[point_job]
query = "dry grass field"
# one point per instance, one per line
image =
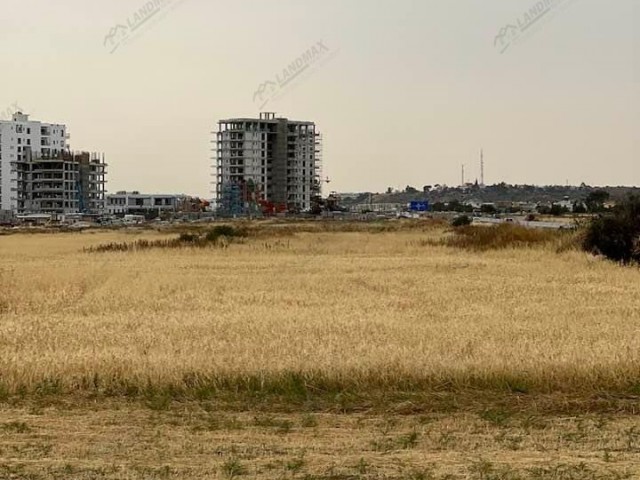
(316, 352)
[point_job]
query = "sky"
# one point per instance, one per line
(403, 91)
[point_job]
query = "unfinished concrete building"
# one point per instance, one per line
(266, 165)
(39, 174)
(59, 183)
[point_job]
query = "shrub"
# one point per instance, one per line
(617, 235)
(500, 236)
(233, 468)
(226, 231)
(461, 221)
(185, 239)
(488, 208)
(557, 210)
(188, 238)
(595, 201)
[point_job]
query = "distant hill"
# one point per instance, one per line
(501, 192)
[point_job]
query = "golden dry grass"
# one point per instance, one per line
(314, 351)
(313, 313)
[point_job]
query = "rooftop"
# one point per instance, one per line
(266, 117)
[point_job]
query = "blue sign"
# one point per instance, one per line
(419, 206)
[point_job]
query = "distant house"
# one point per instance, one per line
(379, 207)
(527, 207)
(473, 203)
(568, 204)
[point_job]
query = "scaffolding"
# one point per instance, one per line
(240, 199)
(65, 182)
(318, 165)
(266, 165)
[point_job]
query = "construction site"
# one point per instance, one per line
(64, 182)
(41, 176)
(266, 165)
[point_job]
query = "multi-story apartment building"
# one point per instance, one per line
(38, 173)
(266, 161)
(63, 182)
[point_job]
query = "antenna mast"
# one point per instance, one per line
(482, 168)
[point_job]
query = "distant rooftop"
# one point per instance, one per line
(24, 117)
(20, 117)
(267, 117)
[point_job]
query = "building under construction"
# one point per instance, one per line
(60, 183)
(266, 165)
(40, 174)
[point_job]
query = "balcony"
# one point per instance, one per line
(48, 200)
(48, 189)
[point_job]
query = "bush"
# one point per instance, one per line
(212, 238)
(617, 235)
(557, 210)
(461, 221)
(488, 208)
(223, 231)
(500, 236)
(188, 238)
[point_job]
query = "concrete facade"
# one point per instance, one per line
(38, 174)
(266, 160)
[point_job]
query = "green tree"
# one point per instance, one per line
(578, 207)
(461, 221)
(595, 201)
(488, 208)
(456, 206)
(557, 210)
(616, 235)
(543, 209)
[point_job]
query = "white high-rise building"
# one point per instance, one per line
(38, 173)
(16, 136)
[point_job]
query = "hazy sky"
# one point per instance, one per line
(407, 92)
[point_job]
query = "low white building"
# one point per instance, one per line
(379, 207)
(125, 203)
